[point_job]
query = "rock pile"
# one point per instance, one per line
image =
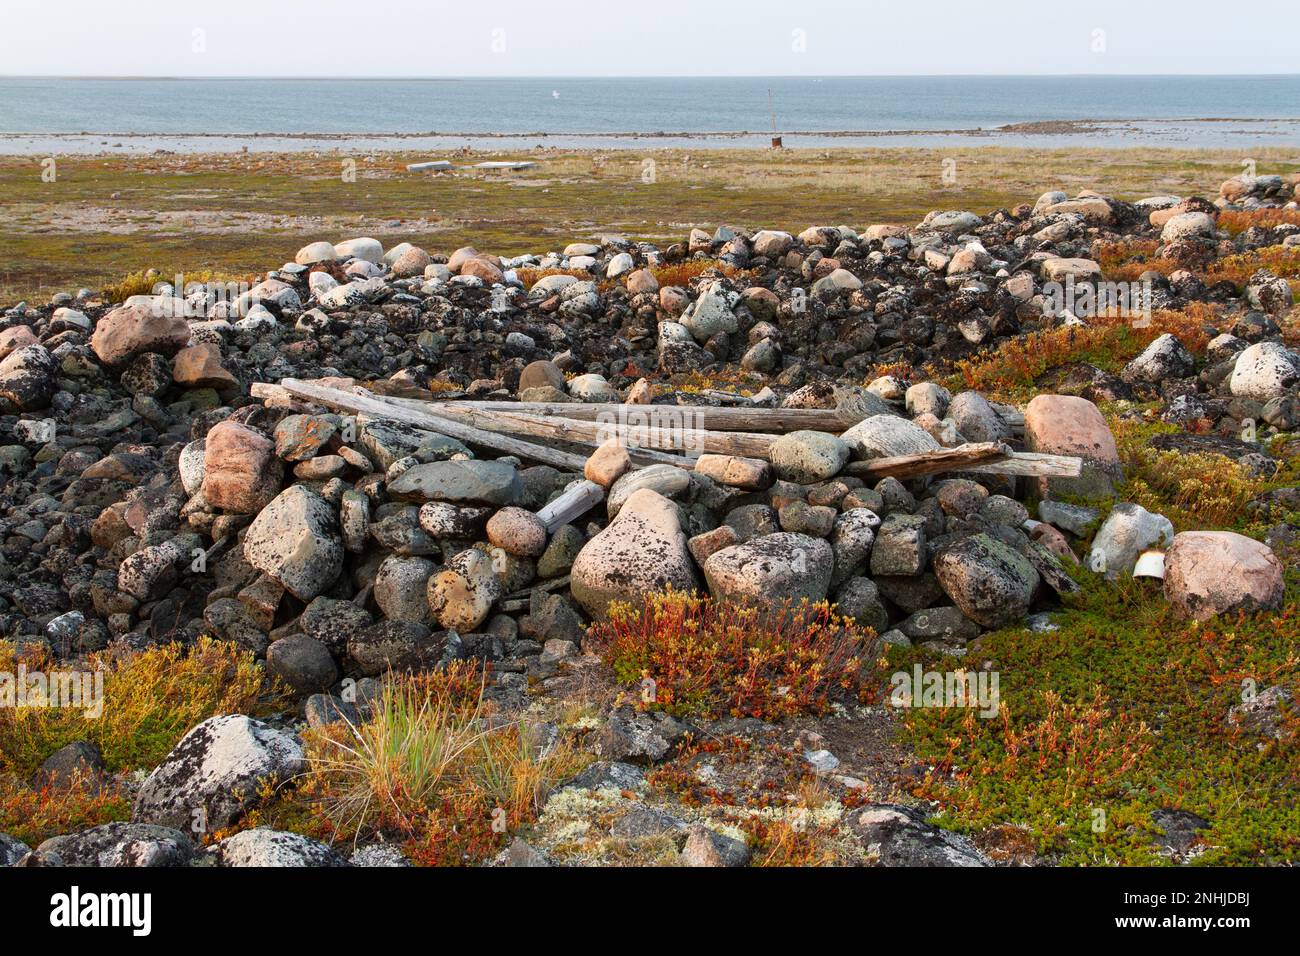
(149, 497)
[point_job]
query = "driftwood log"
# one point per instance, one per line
(776, 420)
(991, 458)
(493, 425)
(381, 409)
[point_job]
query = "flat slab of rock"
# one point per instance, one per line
(902, 837)
(460, 482)
(1208, 573)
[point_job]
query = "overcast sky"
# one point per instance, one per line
(644, 37)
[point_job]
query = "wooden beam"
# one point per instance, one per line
(665, 434)
(745, 419)
(1033, 465)
(384, 410)
(578, 433)
(992, 458)
(575, 502)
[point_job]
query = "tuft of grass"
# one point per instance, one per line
(1126, 260)
(151, 699)
(712, 659)
(530, 277)
(433, 768)
(134, 283)
(683, 273)
(1192, 490)
(143, 281)
(1282, 262)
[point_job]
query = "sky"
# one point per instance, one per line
(645, 37)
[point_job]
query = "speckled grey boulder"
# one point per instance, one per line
(212, 777)
(643, 550)
(262, 846)
(807, 457)
(771, 569)
(296, 540)
(991, 584)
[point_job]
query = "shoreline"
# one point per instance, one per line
(1169, 133)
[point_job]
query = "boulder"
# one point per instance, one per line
(215, 774)
(400, 586)
(1264, 371)
(608, 463)
(667, 480)
(884, 436)
(1060, 269)
(28, 378)
(770, 569)
(989, 582)
(131, 330)
(199, 366)
(121, 845)
(396, 646)
(265, 847)
(296, 540)
(364, 248)
(241, 473)
(461, 595)
(1208, 573)
(1068, 425)
(643, 550)
(901, 836)
(975, 419)
(807, 457)
(1128, 530)
(1165, 358)
(517, 532)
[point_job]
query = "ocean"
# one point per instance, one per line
(92, 115)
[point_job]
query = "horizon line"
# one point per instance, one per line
(646, 76)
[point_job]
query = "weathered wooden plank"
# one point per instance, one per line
(727, 419)
(1030, 464)
(383, 409)
(576, 501)
(666, 434)
(544, 428)
(984, 457)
